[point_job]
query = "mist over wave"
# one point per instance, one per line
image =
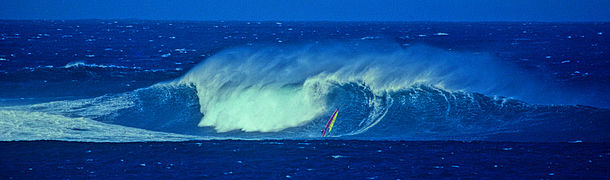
(273, 88)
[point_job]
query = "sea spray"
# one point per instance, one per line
(268, 89)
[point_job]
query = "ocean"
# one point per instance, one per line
(188, 99)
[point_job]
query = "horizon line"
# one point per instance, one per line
(380, 21)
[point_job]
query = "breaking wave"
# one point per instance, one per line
(382, 91)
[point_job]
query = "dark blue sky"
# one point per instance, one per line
(311, 10)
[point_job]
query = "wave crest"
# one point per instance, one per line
(270, 89)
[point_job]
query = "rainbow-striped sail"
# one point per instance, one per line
(329, 124)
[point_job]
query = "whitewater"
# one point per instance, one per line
(384, 92)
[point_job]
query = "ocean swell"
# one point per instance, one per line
(382, 91)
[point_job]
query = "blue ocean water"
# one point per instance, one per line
(303, 159)
(145, 87)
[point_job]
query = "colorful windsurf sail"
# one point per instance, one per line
(330, 123)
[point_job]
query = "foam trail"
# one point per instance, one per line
(17, 125)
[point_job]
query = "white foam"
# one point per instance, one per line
(16, 125)
(83, 64)
(369, 37)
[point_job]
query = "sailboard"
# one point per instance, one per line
(330, 123)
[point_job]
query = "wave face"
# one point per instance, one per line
(382, 91)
